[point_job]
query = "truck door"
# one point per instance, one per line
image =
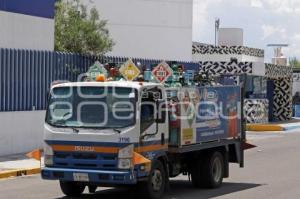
(153, 118)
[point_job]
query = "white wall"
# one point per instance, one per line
(258, 68)
(296, 87)
(21, 132)
(26, 32)
(224, 57)
(158, 29)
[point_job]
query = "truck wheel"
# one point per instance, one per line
(155, 186)
(209, 172)
(71, 188)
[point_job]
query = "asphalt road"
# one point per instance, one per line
(272, 170)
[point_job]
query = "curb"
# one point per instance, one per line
(19, 172)
(289, 128)
(270, 127)
(264, 127)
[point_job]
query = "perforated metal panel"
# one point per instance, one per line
(26, 75)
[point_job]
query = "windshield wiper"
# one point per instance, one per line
(76, 129)
(113, 128)
(117, 130)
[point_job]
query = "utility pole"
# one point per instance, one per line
(217, 26)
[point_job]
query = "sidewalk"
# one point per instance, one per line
(18, 165)
(276, 126)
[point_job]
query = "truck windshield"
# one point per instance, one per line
(92, 107)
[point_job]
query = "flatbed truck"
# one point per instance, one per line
(141, 134)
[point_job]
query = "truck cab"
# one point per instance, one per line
(93, 128)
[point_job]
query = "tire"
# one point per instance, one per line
(209, 171)
(71, 188)
(154, 187)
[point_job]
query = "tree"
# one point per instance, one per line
(80, 30)
(294, 62)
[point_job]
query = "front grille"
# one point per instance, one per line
(85, 160)
(88, 156)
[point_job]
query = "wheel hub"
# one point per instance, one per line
(217, 169)
(156, 180)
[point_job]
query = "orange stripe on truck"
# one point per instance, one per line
(98, 149)
(85, 148)
(156, 147)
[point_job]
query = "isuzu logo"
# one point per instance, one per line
(84, 148)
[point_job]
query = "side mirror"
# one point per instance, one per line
(161, 111)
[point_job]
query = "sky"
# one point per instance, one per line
(263, 22)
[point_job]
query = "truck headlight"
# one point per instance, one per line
(48, 155)
(48, 160)
(124, 163)
(125, 157)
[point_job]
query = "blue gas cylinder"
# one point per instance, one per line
(297, 110)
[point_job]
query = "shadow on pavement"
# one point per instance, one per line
(184, 190)
(180, 189)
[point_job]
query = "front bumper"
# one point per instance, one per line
(94, 176)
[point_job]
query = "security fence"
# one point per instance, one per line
(26, 75)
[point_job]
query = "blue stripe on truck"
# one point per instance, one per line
(38, 8)
(98, 176)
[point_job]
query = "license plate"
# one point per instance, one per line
(81, 177)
